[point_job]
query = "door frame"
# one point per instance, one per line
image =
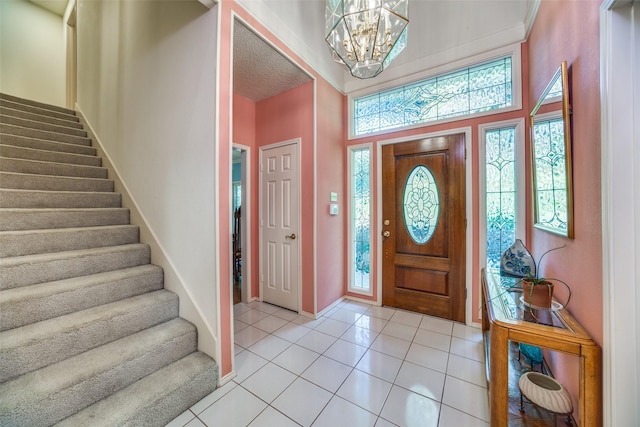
(467, 131)
(72, 57)
(297, 143)
(245, 220)
(620, 103)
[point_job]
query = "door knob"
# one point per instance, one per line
(292, 236)
(386, 233)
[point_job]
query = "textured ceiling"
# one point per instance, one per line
(260, 71)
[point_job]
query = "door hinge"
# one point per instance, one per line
(465, 293)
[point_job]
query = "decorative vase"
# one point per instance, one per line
(537, 295)
(546, 392)
(517, 261)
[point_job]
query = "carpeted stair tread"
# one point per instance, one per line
(57, 199)
(88, 334)
(43, 144)
(38, 167)
(34, 219)
(33, 269)
(38, 110)
(154, 400)
(42, 105)
(62, 389)
(40, 344)
(30, 304)
(31, 242)
(27, 181)
(49, 127)
(12, 112)
(11, 151)
(43, 134)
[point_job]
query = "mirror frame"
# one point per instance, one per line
(563, 74)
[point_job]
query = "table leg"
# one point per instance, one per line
(499, 376)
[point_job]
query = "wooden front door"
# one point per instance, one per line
(423, 214)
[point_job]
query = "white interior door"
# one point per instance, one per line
(279, 223)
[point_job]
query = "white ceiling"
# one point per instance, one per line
(440, 32)
(56, 6)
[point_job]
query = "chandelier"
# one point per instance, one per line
(366, 35)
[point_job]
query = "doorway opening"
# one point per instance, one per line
(240, 249)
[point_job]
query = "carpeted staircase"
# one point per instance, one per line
(88, 335)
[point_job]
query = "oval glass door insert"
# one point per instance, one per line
(421, 204)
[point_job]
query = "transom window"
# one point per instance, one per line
(477, 89)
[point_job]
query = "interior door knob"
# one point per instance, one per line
(292, 236)
(386, 233)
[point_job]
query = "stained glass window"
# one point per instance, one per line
(500, 189)
(472, 90)
(551, 180)
(421, 204)
(360, 220)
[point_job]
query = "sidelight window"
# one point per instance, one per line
(360, 220)
(502, 188)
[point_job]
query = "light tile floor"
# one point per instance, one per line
(355, 366)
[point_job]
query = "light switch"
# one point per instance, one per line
(334, 196)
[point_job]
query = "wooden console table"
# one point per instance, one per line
(505, 319)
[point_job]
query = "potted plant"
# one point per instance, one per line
(538, 291)
(517, 261)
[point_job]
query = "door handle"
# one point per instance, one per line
(386, 233)
(292, 236)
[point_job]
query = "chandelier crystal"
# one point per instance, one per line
(366, 35)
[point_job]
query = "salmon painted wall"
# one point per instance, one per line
(284, 117)
(330, 161)
(566, 30)
(224, 187)
(475, 189)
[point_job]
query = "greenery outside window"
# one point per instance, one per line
(502, 189)
(360, 216)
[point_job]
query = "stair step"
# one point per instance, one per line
(38, 167)
(41, 344)
(35, 303)
(57, 391)
(11, 151)
(43, 134)
(31, 242)
(57, 199)
(49, 127)
(154, 400)
(34, 269)
(42, 105)
(6, 111)
(41, 144)
(37, 219)
(22, 181)
(37, 110)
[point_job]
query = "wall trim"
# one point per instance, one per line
(620, 160)
(189, 309)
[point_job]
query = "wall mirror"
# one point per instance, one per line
(551, 156)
